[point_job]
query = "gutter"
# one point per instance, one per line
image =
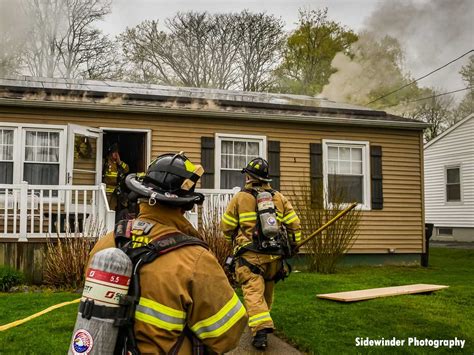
(153, 110)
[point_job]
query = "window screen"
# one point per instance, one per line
(453, 184)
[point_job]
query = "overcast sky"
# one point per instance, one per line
(432, 32)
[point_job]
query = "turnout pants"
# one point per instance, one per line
(258, 288)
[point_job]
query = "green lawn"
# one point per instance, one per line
(327, 327)
(314, 325)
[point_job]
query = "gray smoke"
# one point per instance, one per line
(430, 33)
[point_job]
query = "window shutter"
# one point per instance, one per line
(273, 154)
(316, 173)
(207, 161)
(376, 177)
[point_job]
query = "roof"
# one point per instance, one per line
(449, 130)
(123, 96)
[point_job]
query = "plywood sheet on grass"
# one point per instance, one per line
(360, 295)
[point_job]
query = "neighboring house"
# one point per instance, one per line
(53, 133)
(449, 182)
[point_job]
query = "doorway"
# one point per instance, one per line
(134, 146)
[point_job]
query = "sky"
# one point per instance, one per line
(432, 32)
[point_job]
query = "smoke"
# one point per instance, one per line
(430, 35)
(14, 29)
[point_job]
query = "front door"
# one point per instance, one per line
(84, 155)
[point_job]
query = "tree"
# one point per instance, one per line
(260, 43)
(437, 111)
(309, 51)
(64, 42)
(466, 106)
(201, 50)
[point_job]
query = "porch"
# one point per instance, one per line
(36, 212)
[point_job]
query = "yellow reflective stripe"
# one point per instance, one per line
(159, 315)
(111, 174)
(226, 220)
(289, 216)
(248, 219)
(189, 166)
(220, 322)
(291, 220)
(247, 214)
(162, 308)
(110, 189)
(232, 219)
(259, 318)
(297, 236)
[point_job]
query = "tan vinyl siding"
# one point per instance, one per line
(398, 226)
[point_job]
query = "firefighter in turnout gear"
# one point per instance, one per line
(186, 303)
(258, 239)
(114, 171)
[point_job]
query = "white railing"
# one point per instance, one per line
(29, 211)
(213, 207)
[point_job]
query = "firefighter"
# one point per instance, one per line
(183, 292)
(114, 172)
(258, 263)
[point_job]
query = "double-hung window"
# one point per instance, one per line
(41, 160)
(346, 172)
(232, 155)
(6, 155)
(32, 153)
(453, 184)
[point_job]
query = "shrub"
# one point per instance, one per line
(9, 278)
(211, 233)
(65, 261)
(325, 250)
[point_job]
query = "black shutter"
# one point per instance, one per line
(207, 161)
(316, 173)
(376, 177)
(274, 163)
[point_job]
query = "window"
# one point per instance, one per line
(346, 172)
(41, 160)
(232, 154)
(6, 156)
(453, 184)
(445, 231)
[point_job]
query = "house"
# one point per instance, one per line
(53, 133)
(449, 182)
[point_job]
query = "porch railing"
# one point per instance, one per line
(29, 211)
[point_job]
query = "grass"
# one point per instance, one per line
(326, 327)
(314, 325)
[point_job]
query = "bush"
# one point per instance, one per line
(327, 249)
(9, 278)
(211, 233)
(65, 261)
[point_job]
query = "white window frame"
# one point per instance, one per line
(453, 166)
(262, 140)
(19, 143)
(366, 206)
(15, 148)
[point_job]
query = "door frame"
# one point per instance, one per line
(135, 130)
(92, 132)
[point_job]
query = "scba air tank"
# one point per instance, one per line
(107, 279)
(266, 212)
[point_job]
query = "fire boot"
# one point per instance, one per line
(260, 339)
